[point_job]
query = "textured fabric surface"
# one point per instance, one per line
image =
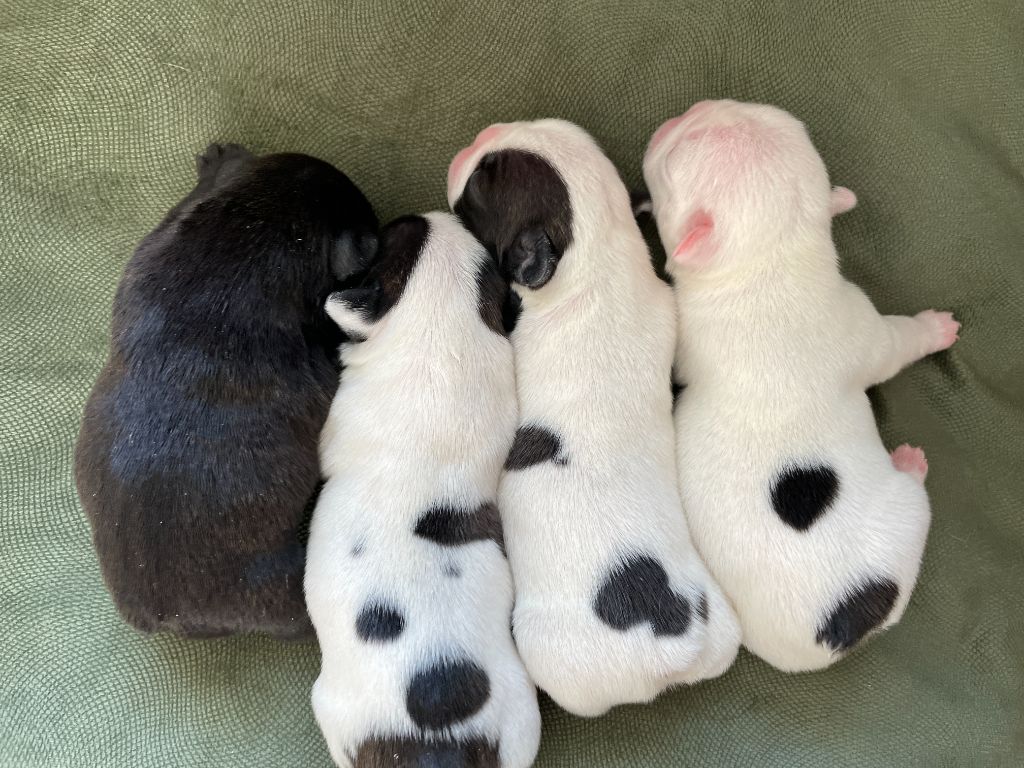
(918, 107)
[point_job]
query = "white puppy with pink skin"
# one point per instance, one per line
(812, 528)
(612, 602)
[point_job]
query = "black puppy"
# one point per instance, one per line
(197, 454)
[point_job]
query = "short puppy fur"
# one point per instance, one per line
(196, 457)
(814, 531)
(612, 602)
(407, 582)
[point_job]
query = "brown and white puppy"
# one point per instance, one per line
(612, 602)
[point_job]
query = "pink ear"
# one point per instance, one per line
(693, 245)
(842, 200)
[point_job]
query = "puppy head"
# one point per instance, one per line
(429, 276)
(530, 189)
(730, 181)
(325, 219)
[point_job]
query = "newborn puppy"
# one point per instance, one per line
(612, 602)
(814, 531)
(407, 582)
(197, 452)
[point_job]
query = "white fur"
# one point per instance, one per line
(777, 350)
(426, 413)
(593, 361)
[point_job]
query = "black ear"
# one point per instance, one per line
(531, 260)
(352, 253)
(355, 310)
(640, 201)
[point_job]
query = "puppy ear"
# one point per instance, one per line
(354, 310)
(842, 200)
(695, 248)
(640, 201)
(352, 253)
(531, 259)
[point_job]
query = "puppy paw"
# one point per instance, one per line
(941, 329)
(912, 461)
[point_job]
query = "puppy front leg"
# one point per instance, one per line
(896, 341)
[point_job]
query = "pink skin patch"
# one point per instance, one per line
(911, 461)
(459, 161)
(697, 230)
(942, 329)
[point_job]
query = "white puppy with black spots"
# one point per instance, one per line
(406, 580)
(612, 602)
(812, 528)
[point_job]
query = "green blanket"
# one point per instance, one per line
(918, 107)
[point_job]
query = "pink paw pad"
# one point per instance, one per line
(943, 329)
(911, 460)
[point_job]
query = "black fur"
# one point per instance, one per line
(451, 527)
(800, 495)
(492, 298)
(861, 610)
(446, 693)
(702, 607)
(197, 453)
(636, 591)
(379, 622)
(534, 444)
(518, 205)
(427, 753)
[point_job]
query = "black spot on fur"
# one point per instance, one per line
(518, 206)
(677, 390)
(510, 311)
(534, 445)
(357, 549)
(446, 693)
(637, 592)
(379, 622)
(219, 339)
(492, 293)
(452, 571)
(800, 495)
(424, 753)
(860, 611)
(451, 527)
(702, 607)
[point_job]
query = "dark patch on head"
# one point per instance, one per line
(492, 296)
(423, 753)
(534, 444)
(518, 206)
(379, 622)
(800, 495)
(637, 591)
(452, 571)
(859, 612)
(358, 548)
(401, 242)
(702, 607)
(450, 527)
(446, 693)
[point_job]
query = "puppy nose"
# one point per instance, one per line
(490, 133)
